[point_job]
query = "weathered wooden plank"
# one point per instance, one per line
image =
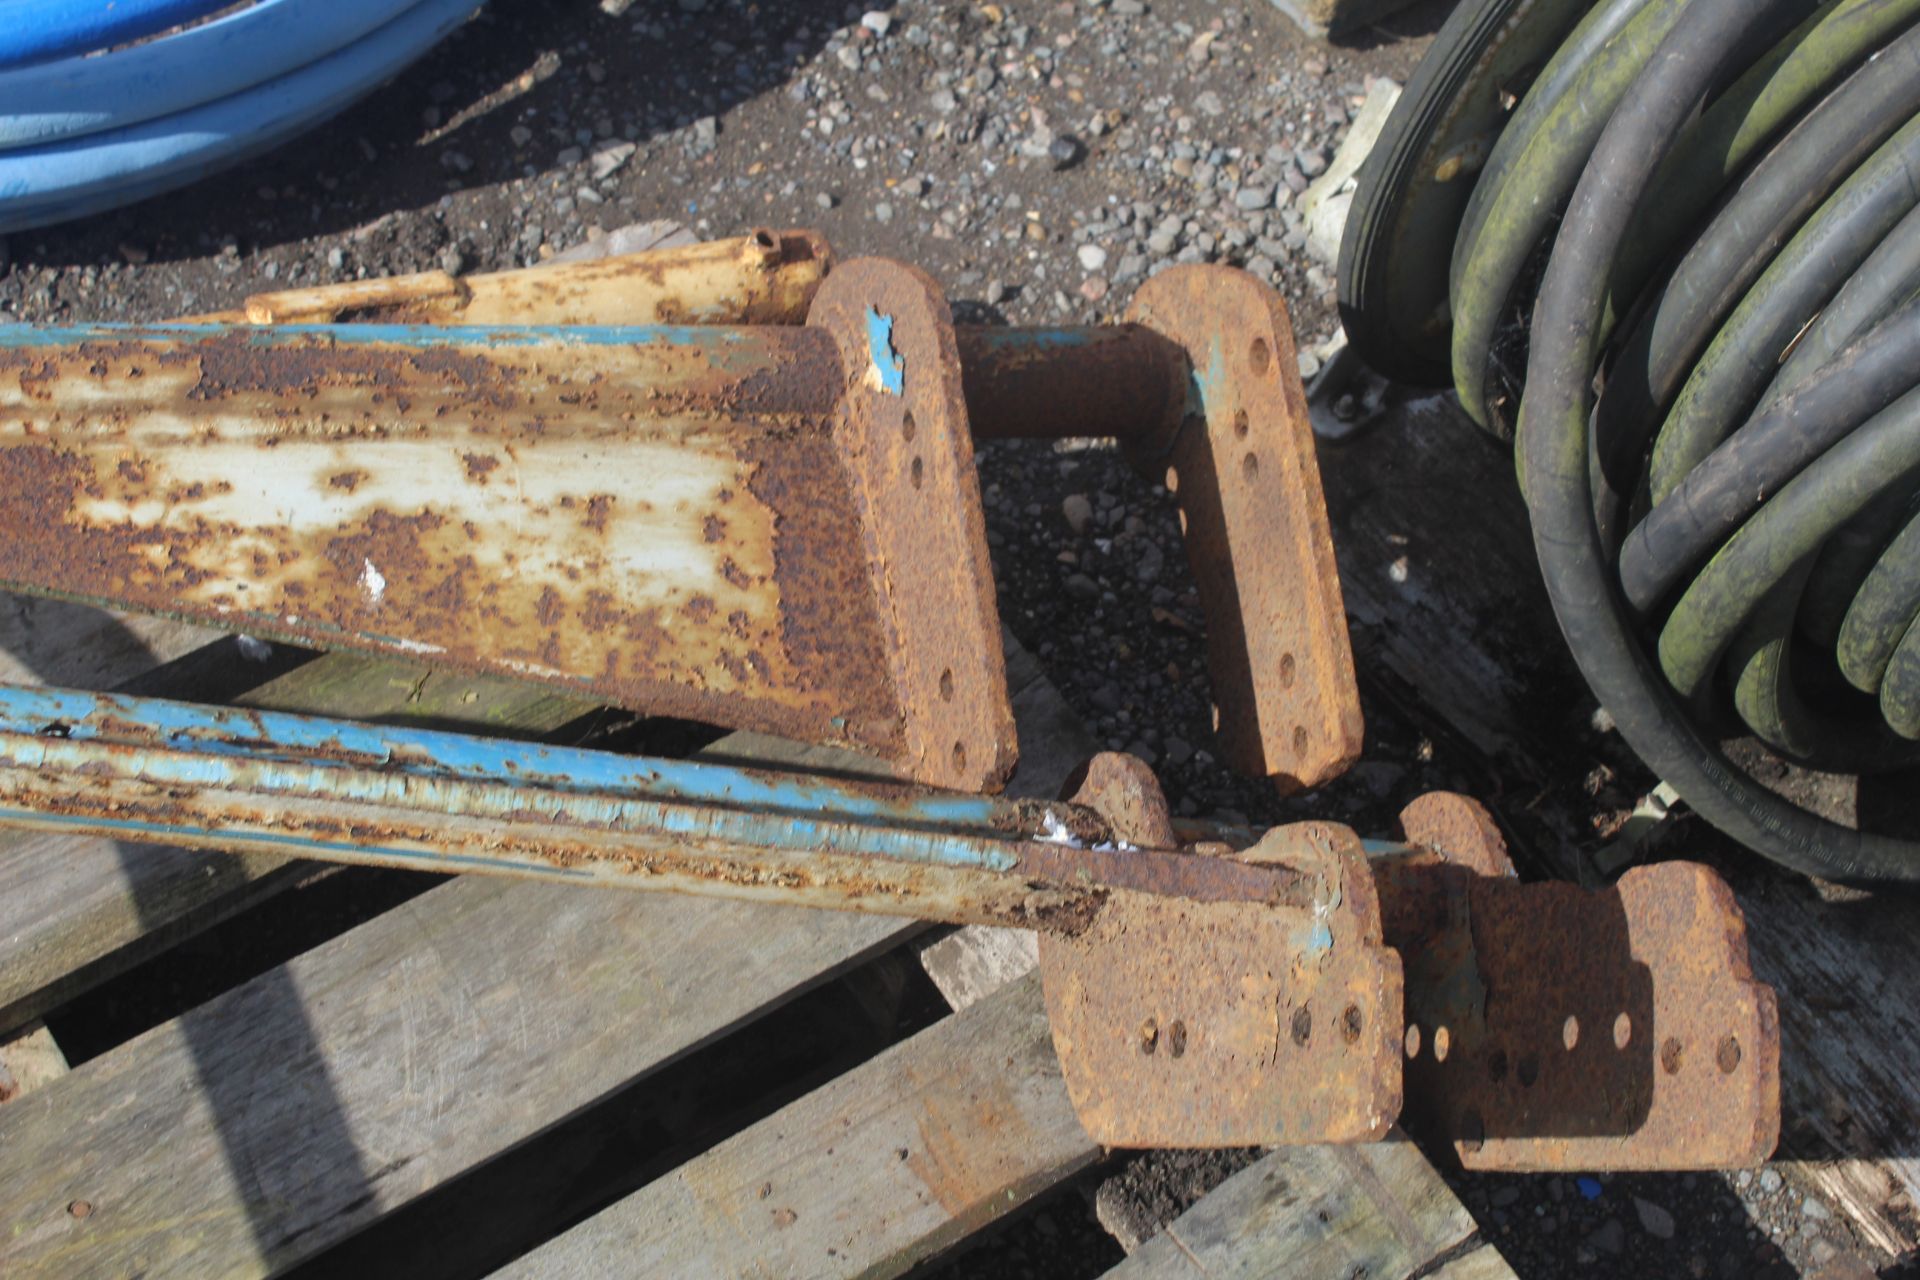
(1425, 588)
(282, 1116)
(1848, 977)
(866, 1176)
(75, 910)
(1377, 1210)
(57, 642)
(359, 1076)
(975, 961)
(1451, 610)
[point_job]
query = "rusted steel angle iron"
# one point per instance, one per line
(767, 527)
(1201, 992)
(764, 277)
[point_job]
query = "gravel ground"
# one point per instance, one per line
(1040, 160)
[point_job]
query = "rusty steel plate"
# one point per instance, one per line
(1227, 1023)
(751, 527)
(1551, 1027)
(1243, 470)
(901, 434)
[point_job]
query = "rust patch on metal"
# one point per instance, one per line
(1245, 474)
(1552, 1027)
(1125, 792)
(1182, 1022)
(768, 277)
(404, 509)
(829, 626)
(1123, 381)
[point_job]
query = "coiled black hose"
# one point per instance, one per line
(1695, 242)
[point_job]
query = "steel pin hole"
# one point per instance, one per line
(1176, 1038)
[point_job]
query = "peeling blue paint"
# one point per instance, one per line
(64, 731)
(886, 365)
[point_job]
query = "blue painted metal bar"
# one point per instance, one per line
(281, 737)
(288, 784)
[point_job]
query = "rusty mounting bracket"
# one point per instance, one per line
(1554, 1027)
(1244, 471)
(1546, 1026)
(1201, 388)
(1183, 1022)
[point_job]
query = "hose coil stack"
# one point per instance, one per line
(104, 104)
(1672, 249)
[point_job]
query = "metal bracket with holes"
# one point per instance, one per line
(773, 527)
(1555, 1027)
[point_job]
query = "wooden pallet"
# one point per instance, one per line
(373, 1075)
(375, 1078)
